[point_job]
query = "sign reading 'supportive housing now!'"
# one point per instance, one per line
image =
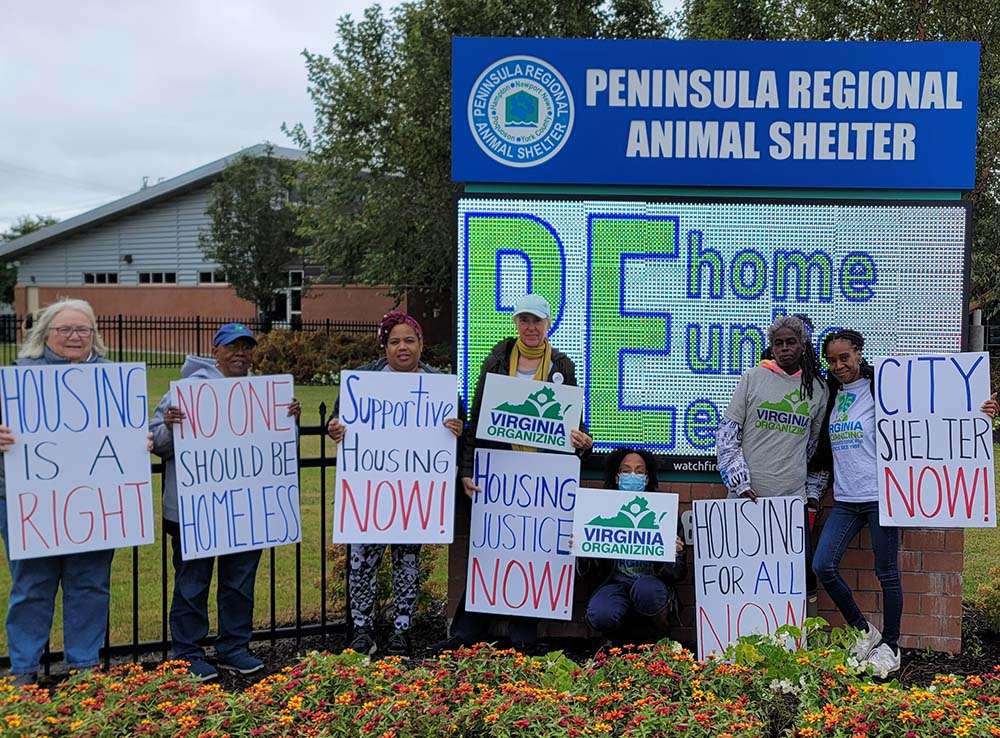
(78, 474)
(396, 464)
(934, 446)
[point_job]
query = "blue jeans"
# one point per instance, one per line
(845, 521)
(189, 608)
(612, 602)
(86, 585)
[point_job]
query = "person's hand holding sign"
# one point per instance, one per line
(294, 409)
(749, 494)
(580, 440)
(173, 415)
(6, 439)
(470, 487)
(336, 430)
(455, 425)
(991, 407)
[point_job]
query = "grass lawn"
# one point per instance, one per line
(982, 549)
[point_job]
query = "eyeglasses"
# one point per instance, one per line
(68, 330)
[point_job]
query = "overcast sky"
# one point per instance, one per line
(99, 94)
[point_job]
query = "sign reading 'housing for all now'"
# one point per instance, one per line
(715, 113)
(935, 448)
(526, 412)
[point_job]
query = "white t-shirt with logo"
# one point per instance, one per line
(852, 439)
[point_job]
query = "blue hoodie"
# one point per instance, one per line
(48, 357)
(195, 367)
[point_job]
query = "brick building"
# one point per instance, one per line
(139, 255)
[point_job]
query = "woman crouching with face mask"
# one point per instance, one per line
(633, 592)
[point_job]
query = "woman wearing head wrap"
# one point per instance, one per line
(402, 340)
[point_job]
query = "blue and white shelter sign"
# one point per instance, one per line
(889, 115)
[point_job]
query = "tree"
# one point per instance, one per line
(379, 196)
(884, 20)
(253, 226)
(22, 227)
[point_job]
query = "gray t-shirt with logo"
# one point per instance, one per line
(852, 440)
(778, 422)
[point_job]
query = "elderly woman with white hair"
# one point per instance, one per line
(64, 333)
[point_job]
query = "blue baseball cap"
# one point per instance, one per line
(534, 305)
(231, 332)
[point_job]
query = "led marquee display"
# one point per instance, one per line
(663, 304)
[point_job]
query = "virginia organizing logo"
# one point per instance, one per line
(633, 531)
(845, 433)
(539, 419)
(789, 415)
(520, 111)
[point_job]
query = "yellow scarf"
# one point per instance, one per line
(543, 352)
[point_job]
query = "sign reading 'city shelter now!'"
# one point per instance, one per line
(715, 113)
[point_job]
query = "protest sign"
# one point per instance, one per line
(396, 464)
(522, 520)
(529, 413)
(934, 446)
(749, 574)
(641, 526)
(237, 465)
(78, 474)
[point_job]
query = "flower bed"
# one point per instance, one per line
(659, 690)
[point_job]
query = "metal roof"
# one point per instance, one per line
(142, 198)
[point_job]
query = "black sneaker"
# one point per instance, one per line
(364, 641)
(398, 645)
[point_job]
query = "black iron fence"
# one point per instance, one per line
(165, 341)
(324, 624)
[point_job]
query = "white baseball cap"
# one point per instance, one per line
(533, 305)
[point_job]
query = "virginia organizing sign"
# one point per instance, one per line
(529, 413)
(934, 446)
(715, 113)
(628, 525)
(662, 305)
(78, 476)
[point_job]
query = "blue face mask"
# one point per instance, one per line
(630, 482)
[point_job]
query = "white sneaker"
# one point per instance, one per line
(866, 642)
(884, 661)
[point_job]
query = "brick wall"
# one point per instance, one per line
(349, 302)
(930, 563)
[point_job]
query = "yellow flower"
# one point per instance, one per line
(76, 725)
(13, 721)
(602, 727)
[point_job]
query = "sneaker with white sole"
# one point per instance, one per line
(884, 660)
(866, 643)
(242, 662)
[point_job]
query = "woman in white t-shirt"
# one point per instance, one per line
(847, 450)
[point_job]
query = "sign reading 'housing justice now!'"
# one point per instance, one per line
(715, 113)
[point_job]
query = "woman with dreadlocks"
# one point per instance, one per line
(848, 451)
(773, 422)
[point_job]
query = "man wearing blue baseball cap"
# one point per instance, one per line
(232, 355)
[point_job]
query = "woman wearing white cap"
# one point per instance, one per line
(530, 356)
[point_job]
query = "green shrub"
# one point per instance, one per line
(312, 358)
(987, 599)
